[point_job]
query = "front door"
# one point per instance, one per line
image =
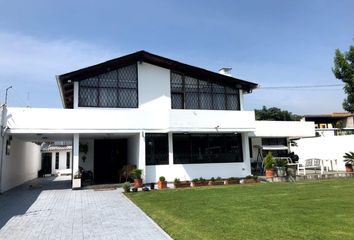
(47, 163)
(109, 157)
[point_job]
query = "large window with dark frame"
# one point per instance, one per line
(156, 148)
(207, 148)
(114, 89)
(192, 93)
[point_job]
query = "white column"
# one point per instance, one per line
(76, 95)
(75, 157)
(246, 154)
(241, 99)
(141, 161)
(170, 149)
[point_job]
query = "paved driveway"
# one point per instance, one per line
(51, 210)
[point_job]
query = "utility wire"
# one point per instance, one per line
(303, 87)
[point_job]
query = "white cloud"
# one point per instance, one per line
(32, 59)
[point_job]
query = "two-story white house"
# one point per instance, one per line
(168, 118)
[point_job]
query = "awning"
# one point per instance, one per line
(272, 147)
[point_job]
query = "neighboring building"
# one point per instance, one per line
(332, 124)
(168, 118)
(56, 159)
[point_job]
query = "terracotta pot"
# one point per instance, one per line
(251, 180)
(349, 168)
(269, 173)
(161, 185)
(138, 183)
(182, 185)
(199, 184)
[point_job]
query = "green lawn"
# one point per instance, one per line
(303, 210)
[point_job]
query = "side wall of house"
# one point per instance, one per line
(21, 165)
(88, 163)
(329, 147)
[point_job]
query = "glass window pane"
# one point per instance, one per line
(181, 148)
(219, 102)
(128, 98)
(232, 102)
(108, 97)
(90, 82)
(206, 101)
(109, 79)
(177, 101)
(176, 82)
(156, 148)
(191, 100)
(88, 97)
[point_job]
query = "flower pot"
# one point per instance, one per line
(269, 173)
(349, 168)
(199, 184)
(138, 183)
(76, 183)
(161, 184)
(182, 184)
(232, 181)
(211, 183)
(281, 171)
(249, 180)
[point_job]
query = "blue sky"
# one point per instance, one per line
(272, 43)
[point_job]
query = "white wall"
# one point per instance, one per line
(190, 171)
(21, 165)
(154, 87)
(284, 129)
(330, 147)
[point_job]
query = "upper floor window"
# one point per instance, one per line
(192, 93)
(114, 89)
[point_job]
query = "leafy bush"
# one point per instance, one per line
(195, 180)
(137, 173)
(349, 159)
(233, 178)
(218, 178)
(126, 186)
(176, 181)
(162, 179)
(278, 162)
(212, 179)
(268, 162)
(202, 179)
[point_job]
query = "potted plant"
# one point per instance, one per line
(138, 182)
(268, 164)
(77, 180)
(349, 161)
(280, 166)
(232, 180)
(161, 184)
(181, 184)
(198, 182)
(126, 186)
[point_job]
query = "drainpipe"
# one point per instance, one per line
(2, 139)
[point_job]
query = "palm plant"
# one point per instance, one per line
(349, 159)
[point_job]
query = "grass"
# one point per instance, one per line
(302, 210)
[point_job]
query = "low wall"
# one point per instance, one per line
(21, 165)
(329, 147)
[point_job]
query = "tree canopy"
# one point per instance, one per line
(275, 114)
(344, 71)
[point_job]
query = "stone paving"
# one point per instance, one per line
(49, 209)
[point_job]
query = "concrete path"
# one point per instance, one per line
(49, 209)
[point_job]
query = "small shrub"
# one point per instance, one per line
(212, 179)
(137, 173)
(233, 178)
(176, 181)
(349, 159)
(195, 180)
(202, 179)
(126, 186)
(162, 179)
(218, 178)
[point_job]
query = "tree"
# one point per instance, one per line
(344, 71)
(275, 114)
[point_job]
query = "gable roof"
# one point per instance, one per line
(66, 86)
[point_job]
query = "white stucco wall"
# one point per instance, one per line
(133, 149)
(154, 87)
(329, 147)
(21, 165)
(284, 129)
